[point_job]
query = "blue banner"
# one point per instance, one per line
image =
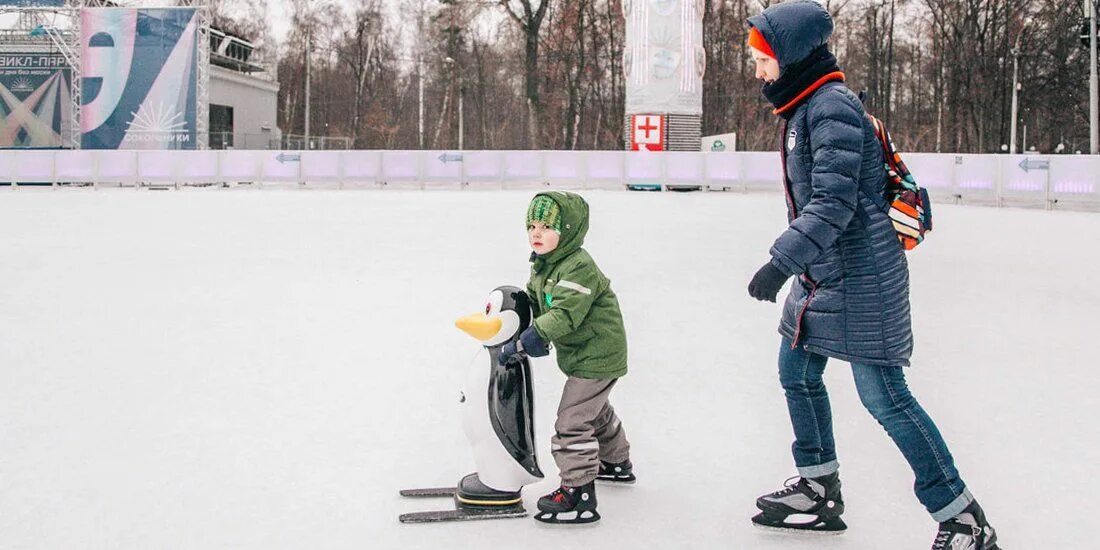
(139, 83)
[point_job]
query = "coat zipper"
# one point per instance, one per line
(792, 210)
(792, 213)
(802, 312)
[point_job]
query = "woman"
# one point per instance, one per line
(850, 300)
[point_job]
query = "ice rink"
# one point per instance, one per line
(265, 369)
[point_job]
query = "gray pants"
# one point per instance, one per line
(587, 431)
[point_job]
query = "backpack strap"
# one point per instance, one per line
(899, 172)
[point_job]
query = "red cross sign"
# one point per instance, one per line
(647, 132)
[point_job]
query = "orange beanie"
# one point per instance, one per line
(756, 40)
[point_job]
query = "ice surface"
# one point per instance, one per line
(264, 370)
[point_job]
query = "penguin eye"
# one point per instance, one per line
(496, 303)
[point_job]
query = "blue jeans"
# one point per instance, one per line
(886, 396)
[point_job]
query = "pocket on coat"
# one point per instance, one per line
(583, 334)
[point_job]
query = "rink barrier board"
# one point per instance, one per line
(1000, 179)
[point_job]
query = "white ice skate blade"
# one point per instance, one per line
(799, 532)
(612, 483)
(567, 526)
(570, 526)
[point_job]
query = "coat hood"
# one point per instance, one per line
(794, 29)
(574, 213)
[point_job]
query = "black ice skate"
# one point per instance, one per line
(569, 505)
(619, 473)
(968, 530)
(810, 505)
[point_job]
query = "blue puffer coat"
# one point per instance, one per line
(851, 297)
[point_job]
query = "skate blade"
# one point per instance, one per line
(440, 516)
(819, 527)
(797, 531)
(608, 482)
(588, 518)
(428, 492)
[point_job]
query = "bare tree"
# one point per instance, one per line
(529, 18)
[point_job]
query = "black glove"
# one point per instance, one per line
(767, 282)
(529, 344)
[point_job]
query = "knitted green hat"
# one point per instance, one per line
(544, 209)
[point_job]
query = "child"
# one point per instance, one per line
(575, 309)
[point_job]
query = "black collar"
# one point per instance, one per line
(789, 91)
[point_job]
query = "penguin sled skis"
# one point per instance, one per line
(469, 505)
(497, 417)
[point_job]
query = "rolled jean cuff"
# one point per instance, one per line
(955, 508)
(820, 470)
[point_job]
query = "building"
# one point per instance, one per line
(243, 94)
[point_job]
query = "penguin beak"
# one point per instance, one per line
(480, 326)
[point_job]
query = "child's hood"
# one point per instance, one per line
(574, 218)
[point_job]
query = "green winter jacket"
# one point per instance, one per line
(574, 306)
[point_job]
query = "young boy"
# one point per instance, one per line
(576, 311)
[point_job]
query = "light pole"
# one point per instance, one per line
(420, 82)
(1015, 95)
(1094, 101)
(450, 62)
(309, 47)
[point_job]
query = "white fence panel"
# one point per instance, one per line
(280, 166)
(976, 176)
(760, 171)
(160, 166)
(523, 167)
(325, 166)
(645, 168)
(198, 166)
(7, 158)
(605, 169)
(723, 170)
(1074, 179)
(933, 172)
(484, 168)
(118, 166)
(239, 166)
(447, 168)
(565, 169)
(362, 167)
(684, 169)
(76, 166)
(33, 166)
(400, 167)
(1020, 182)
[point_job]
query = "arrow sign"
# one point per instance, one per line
(284, 158)
(1028, 165)
(445, 158)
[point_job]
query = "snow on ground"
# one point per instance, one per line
(264, 370)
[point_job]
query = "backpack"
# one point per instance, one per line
(910, 208)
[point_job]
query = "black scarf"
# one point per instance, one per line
(798, 77)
